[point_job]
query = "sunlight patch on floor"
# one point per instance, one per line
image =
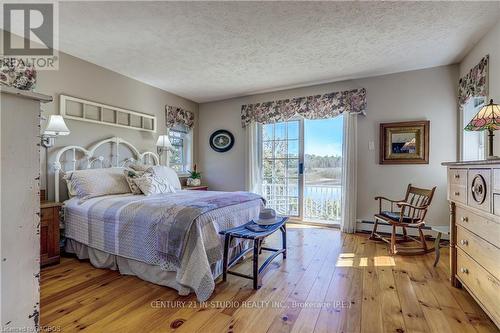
(351, 260)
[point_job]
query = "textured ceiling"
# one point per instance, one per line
(208, 51)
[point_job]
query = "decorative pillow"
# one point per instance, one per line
(130, 175)
(96, 182)
(161, 171)
(139, 167)
(152, 184)
(69, 185)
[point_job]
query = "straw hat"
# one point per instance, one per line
(267, 216)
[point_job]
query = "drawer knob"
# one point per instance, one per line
(456, 194)
(457, 176)
(465, 219)
(464, 242)
(464, 270)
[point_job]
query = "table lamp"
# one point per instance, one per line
(488, 118)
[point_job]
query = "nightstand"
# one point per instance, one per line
(196, 188)
(49, 232)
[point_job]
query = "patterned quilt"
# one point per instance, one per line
(177, 231)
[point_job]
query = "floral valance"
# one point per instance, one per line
(310, 107)
(475, 83)
(178, 116)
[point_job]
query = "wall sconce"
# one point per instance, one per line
(163, 144)
(55, 127)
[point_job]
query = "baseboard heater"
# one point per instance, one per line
(387, 231)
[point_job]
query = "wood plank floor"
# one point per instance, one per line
(330, 282)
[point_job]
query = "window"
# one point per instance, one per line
(301, 168)
(473, 143)
(181, 155)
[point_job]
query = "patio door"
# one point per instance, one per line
(302, 168)
(282, 166)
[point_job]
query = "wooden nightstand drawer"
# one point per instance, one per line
(47, 214)
(49, 233)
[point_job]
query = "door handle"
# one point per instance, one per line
(301, 168)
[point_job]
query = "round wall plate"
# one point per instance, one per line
(221, 141)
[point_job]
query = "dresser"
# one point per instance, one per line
(20, 209)
(474, 196)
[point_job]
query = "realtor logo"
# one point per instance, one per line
(29, 34)
(34, 23)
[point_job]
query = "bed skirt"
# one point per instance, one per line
(144, 271)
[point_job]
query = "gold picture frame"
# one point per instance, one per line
(404, 142)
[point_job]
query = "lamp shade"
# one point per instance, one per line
(488, 118)
(56, 126)
(163, 141)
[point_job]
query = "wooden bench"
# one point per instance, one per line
(257, 237)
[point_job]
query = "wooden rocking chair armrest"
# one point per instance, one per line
(405, 204)
(387, 199)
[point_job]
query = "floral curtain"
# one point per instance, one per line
(175, 116)
(475, 83)
(310, 107)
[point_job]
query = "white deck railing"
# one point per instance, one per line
(322, 203)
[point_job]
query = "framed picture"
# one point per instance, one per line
(221, 141)
(405, 142)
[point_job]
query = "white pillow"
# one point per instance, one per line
(96, 182)
(152, 184)
(161, 171)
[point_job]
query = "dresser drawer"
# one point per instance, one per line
(479, 189)
(480, 250)
(457, 176)
(457, 193)
(484, 228)
(482, 284)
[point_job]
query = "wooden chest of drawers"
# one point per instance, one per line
(474, 195)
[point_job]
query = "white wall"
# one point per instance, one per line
(489, 44)
(416, 95)
(80, 78)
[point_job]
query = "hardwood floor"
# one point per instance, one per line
(330, 282)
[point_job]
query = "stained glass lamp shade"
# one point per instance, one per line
(488, 118)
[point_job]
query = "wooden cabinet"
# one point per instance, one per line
(49, 233)
(19, 208)
(474, 195)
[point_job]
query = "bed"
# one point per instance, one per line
(168, 239)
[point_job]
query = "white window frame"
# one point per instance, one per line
(187, 152)
(471, 108)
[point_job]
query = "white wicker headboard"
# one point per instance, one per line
(91, 158)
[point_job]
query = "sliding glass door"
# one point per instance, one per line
(281, 162)
(302, 168)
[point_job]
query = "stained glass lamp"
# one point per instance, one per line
(488, 118)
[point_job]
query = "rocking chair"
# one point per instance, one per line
(411, 214)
